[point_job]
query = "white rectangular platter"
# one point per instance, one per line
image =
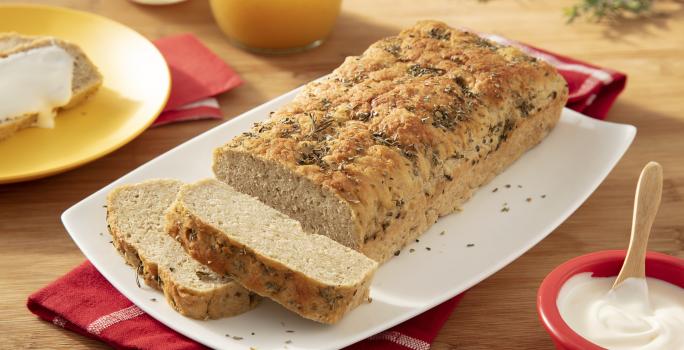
(558, 175)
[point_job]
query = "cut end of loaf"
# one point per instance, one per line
(318, 210)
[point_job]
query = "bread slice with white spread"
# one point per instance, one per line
(135, 217)
(269, 253)
(85, 79)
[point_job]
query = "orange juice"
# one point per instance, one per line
(276, 25)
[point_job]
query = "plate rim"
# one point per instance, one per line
(629, 134)
(34, 175)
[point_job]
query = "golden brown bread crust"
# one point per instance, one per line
(267, 277)
(407, 131)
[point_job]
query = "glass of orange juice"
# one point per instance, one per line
(276, 26)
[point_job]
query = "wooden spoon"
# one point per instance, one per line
(646, 203)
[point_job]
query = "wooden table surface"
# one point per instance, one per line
(499, 312)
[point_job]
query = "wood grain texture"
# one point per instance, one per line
(646, 203)
(499, 312)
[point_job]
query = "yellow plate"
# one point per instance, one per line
(135, 89)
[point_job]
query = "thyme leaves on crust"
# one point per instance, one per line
(484, 43)
(439, 33)
(330, 297)
(317, 127)
(382, 139)
(446, 117)
(314, 155)
(417, 70)
(393, 49)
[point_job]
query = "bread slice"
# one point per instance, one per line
(396, 137)
(135, 217)
(269, 253)
(86, 77)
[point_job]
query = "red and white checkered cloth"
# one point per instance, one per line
(84, 302)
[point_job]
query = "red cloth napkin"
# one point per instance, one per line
(197, 74)
(84, 302)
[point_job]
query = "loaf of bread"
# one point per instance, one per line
(85, 81)
(135, 217)
(394, 138)
(269, 253)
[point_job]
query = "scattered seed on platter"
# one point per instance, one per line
(289, 331)
(470, 245)
(508, 186)
(428, 248)
(288, 342)
(495, 189)
(397, 253)
(252, 333)
(237, 338)
(411, 250)
(529, 199)
(543, 196)
(442, 233)
(519, 186)
(417, 240)
(505, 209)
(153, 299)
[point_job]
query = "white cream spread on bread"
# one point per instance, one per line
(35, 81)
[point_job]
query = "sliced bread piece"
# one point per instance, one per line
(85, 81)
(135, 216)
(269, 253)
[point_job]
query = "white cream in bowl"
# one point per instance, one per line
(639, 314)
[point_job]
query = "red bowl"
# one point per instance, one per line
(602, 264)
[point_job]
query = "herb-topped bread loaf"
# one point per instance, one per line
(394, 138)
(135, 215)
(269, 253)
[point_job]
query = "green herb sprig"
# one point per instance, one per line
(600, 9)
